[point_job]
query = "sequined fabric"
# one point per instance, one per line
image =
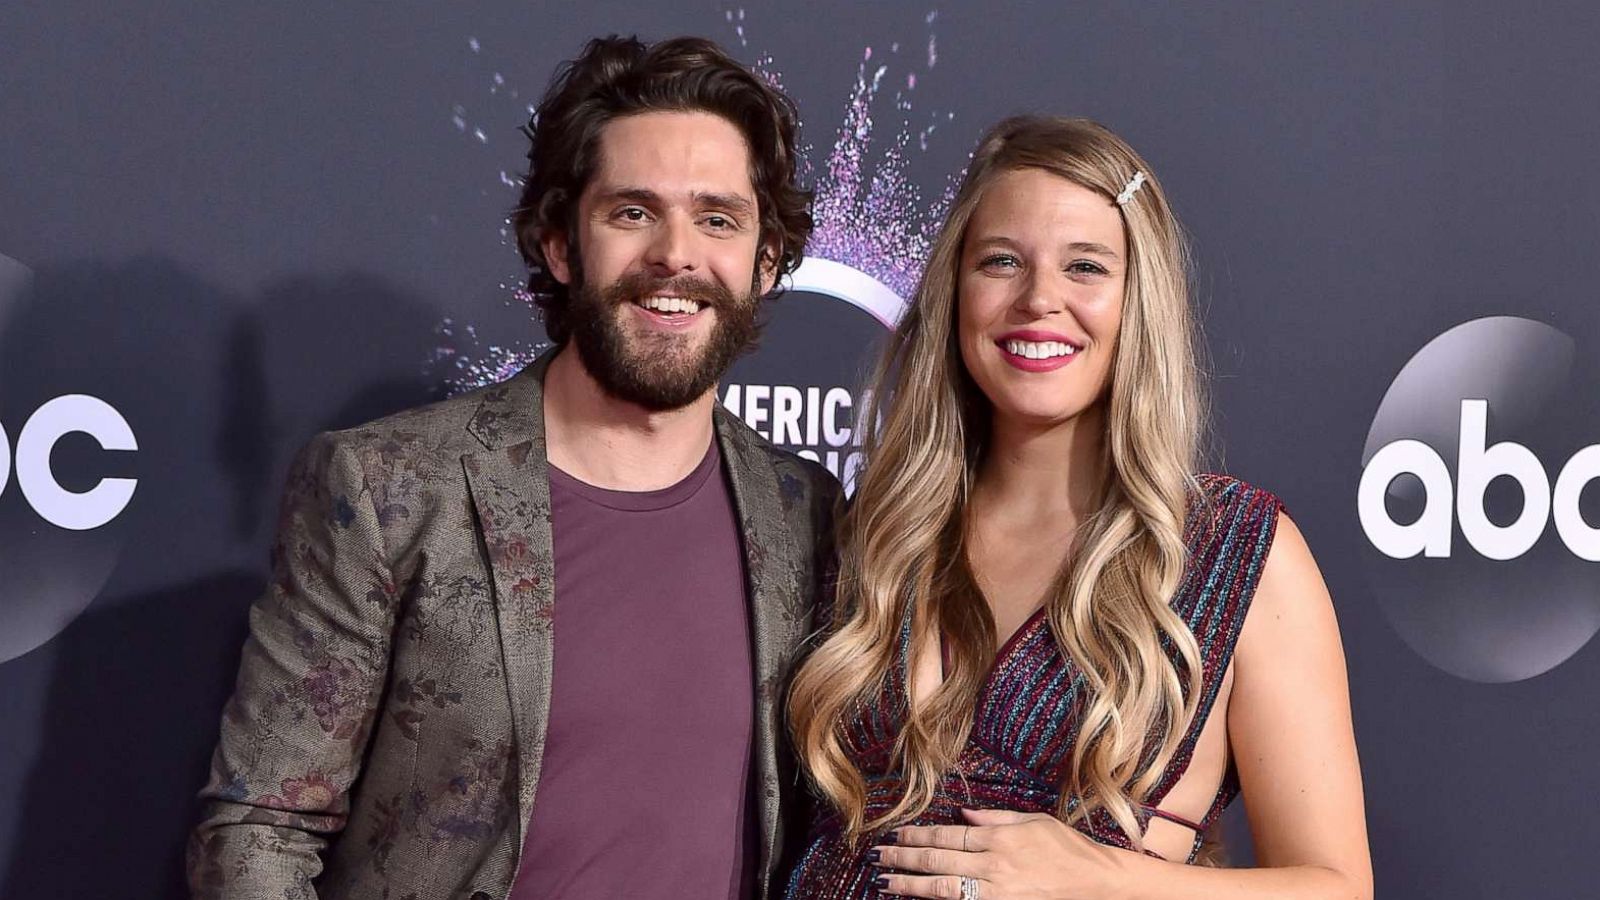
(1029, 708)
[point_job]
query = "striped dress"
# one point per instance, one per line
(1028, 711)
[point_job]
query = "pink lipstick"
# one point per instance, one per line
(1050, 351)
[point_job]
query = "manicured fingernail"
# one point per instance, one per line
(873, 856)
(880, 882)
(892, 837)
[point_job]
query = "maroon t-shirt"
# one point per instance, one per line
(645, 783)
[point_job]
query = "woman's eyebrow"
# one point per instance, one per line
(1092, 247)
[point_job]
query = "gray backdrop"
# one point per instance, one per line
(235, 224)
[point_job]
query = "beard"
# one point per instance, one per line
(658, 370)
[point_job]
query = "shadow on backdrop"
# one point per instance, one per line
(220, 390)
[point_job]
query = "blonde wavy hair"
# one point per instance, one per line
(903, 540)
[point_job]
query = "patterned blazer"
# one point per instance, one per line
(385, 735)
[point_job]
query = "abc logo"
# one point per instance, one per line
(62, 521)
(1477, 466)
(1479, 498)
(70, 414)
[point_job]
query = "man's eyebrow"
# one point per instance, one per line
(631, 194)
(735, 203)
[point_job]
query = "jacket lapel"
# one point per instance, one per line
(777, 613)
(510, 486)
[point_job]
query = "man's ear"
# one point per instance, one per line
(553, 243)
(767, 268)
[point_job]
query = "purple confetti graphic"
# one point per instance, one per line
(870, 216)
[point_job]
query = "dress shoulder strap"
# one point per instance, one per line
(1229, 531)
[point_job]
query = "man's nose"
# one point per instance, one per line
(671, 250)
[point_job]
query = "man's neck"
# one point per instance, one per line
(611, 443)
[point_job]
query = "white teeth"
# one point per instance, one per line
(1039, 349)
(671, 304)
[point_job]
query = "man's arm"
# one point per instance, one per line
(313, 669)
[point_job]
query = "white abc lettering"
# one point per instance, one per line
(1477, 467)
(1430, 533)
(1579, 536)
(73, 413)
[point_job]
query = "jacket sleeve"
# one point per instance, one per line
(310, 680)
(802, 806)
(831, 505)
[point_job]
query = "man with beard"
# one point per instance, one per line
(531, 642)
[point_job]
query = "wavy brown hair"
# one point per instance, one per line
(621, 76)
(903, 539)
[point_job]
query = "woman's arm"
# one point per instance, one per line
(1289, 727)
(1291, 738)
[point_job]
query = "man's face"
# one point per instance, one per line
(662, 271)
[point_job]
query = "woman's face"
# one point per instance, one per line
(1039, 292)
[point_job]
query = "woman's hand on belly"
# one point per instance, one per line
(1012, 856)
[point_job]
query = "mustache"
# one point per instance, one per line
(639, 285)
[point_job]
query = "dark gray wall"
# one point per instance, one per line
(240, 223)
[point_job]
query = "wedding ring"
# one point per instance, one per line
(964, 832)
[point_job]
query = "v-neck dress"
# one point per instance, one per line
(1030, 707)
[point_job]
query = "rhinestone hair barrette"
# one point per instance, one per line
(1131, 188)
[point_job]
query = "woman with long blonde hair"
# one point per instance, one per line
(1058, 649)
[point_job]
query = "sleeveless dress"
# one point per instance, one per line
(1027, 716)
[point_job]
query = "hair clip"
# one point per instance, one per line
(1132, 187)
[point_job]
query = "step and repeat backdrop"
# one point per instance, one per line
(226, 226)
